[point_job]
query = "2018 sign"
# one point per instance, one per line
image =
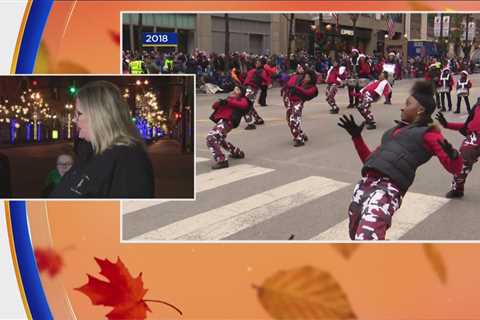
(165, 39)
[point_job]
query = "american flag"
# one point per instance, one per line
(390, 26)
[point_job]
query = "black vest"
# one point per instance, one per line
(398, 157)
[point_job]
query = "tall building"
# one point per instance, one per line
(263, 33)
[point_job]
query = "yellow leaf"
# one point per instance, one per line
(436, 261)
(42, 61)
(66, 66)
(304, 293)
(346, 249)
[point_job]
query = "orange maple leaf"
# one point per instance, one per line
(48, 260)
(123, 292)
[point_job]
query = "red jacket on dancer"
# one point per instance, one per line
(224, 109)
(300, 93)
(256, 78)
(334, 76)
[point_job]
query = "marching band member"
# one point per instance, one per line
(444, 87)
(390, 66)
(463, 90)
(352, 82)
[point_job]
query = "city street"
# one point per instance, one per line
(31, 164)
(278, 190)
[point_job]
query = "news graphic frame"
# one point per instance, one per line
(39, 122)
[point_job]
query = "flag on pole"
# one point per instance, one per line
(390, 27)
(336, 17)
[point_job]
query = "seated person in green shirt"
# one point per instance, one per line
(64, 163)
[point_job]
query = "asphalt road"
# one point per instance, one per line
(278, 190)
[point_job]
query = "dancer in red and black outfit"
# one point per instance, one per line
(255, 79)
(271, 71)
(470, 148)
(372, 93)
(227, 115)
(300, 87)
(389, 171)
(335, 77)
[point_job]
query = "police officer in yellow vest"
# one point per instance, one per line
(137, 66)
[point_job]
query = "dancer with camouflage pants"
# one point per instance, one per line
(227, 115)
(300, 88)
(389, 171)
(254, 80)
(335, 76)
(372, 93)
(470, 148)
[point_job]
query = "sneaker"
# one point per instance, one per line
(456, 112)
(298, 143)
(371, 126)
(350, 106)
(251, 126)
(452, 194)
(259, 122)
(237, 155)
(387, 102)
(334, 111)
(220, 165)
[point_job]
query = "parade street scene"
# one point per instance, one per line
(341, 140)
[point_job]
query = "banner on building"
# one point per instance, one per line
(446, 26)
(436, 26)
(471, 31)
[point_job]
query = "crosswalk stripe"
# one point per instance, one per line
(205, 182)
(415, 208)
(131, 206)
(217, 178)
(227, 220)
(201, 159)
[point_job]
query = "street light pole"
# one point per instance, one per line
(441, 35)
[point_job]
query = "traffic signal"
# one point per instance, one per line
(178, 115)
(72, 90)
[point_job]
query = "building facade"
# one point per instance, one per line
(260, 33)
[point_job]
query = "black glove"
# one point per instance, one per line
(449, 150)
(222, 102)
(349, 124)
(441, 118)
(464, 131)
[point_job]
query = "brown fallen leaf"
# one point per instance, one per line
(436, 261)
(345, 249)
(304, 293)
